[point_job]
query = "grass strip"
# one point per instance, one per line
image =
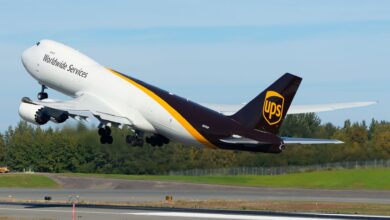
(373, 178)
(10, 180)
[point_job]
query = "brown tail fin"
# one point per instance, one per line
(267, 111)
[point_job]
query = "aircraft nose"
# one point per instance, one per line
(27, 60)
(25, 57)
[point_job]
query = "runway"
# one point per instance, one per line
(147, 195)
(116, 190)
(95, 212)
(100, 190)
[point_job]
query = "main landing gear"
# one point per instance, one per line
(154, 140)
(105, 135)
(42, 95)
(136, 140)
(157, 140)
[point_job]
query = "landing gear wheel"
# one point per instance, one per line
(42, 95)
(103, 140)
(109, 139)
(102, 131)
(129, 139)
(139, 143)
(157, 140)
(165, 141)
(108, 131)
(135, 140)
(105, 135)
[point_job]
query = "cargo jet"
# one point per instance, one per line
(116, 99)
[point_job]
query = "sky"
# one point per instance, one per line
(213, 51)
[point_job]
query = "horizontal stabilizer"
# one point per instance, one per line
(241, 140)
(286, 140)
(292, 140)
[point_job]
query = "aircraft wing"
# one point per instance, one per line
(297, 109)
(83, 107)
(294, 109)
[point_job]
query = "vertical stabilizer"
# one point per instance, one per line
(267, 111)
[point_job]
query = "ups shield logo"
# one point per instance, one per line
(273, 107)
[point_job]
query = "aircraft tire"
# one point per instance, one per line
(42, 95)
(108, 131)
(109, 139)
(154, 141)
(129, 139)
(103, 139)
(102, 131)
(139, 143)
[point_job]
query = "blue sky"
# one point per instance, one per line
(213, 51)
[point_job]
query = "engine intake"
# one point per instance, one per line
(41, 117)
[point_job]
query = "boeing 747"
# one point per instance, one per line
(119, 100)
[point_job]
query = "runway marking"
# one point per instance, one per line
(165, 214)
(195, 214)
(65, 211)
(219, 216)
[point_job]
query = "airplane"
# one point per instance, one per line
(119, 100)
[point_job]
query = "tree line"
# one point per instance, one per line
(77, 149)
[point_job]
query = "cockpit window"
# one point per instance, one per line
(38, 43)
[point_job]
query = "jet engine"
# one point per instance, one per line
(40, 115)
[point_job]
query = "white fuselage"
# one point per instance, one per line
(72, 73)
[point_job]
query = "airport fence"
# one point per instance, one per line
(261, 171)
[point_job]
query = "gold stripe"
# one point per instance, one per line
(170, 109)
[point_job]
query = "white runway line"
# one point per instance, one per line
(249, 217)
(65, 211)
(165, 214)
(205, 215)
(219, 216)
(186, 214)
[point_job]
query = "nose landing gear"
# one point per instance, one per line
(105, 135)
(42, 95)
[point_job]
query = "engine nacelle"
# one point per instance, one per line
(33, 113)
(40, 115)
(57, 116)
